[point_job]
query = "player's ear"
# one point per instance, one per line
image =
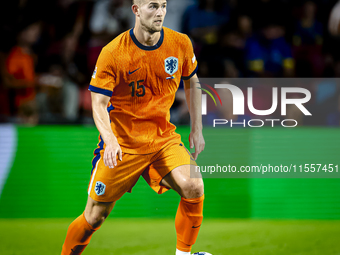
(135, 9)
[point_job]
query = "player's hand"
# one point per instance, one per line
(110, 154)
(196, 140)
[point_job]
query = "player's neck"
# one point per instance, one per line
(144, 37)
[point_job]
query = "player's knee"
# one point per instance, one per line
(96, 218)
(193, 188)
(96, 212)
(96, 215)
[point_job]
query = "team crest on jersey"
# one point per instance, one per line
(100, 188)
(171, 65)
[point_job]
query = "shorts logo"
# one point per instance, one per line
(100, 188)
(171, 65)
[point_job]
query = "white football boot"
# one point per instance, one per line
(201, 253)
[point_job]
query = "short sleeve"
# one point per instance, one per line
(190, 63)
(104, 75)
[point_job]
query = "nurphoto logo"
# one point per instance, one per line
(238, 106)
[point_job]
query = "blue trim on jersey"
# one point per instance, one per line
(181, 84)
(192, 74)
(97, 153)
(101, 91)
(110, 108)
(143, 47)
(94, 162)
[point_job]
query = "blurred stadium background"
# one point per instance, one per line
(47, 136)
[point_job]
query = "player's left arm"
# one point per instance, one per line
(194, 102)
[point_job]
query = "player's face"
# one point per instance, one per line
(152, 13)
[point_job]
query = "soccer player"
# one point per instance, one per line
(135, 81)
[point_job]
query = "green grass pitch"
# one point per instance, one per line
(157, 236)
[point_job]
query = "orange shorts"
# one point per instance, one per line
(110, 184)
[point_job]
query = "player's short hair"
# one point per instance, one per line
(138, 2)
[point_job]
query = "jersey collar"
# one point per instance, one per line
(143, 47)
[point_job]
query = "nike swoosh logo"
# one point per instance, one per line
(196, 227)
(134, 71)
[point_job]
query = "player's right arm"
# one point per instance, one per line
(102, 121)
(101, 86)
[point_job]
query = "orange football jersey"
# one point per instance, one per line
(142, 82)
(21, 65)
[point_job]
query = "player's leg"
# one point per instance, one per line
(170, 169)
(81, 229)
(96, 212)
(190, 210)
(186, 185)
(106, 185)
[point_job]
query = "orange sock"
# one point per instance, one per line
(78, 236)
(188, 222)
